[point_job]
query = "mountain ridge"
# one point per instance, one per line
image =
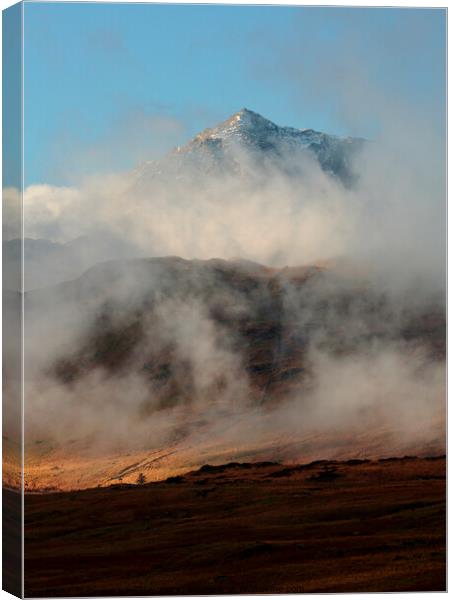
(247, 134)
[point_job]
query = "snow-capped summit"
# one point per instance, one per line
(248, 134)
(242, 125)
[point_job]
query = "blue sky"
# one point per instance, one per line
(110, 85)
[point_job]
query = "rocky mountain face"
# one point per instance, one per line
(247, 136)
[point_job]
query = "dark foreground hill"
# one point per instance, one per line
(355, 526)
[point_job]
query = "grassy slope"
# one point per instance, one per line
(324, 527)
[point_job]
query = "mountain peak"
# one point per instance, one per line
(249, 118)
(245, 114)
(215, 150)
(244, 111)
(243, 122)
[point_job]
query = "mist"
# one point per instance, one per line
(392, 222)
(364, 386)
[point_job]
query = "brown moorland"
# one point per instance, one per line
(351, 526)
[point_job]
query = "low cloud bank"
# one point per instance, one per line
(148, 357)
